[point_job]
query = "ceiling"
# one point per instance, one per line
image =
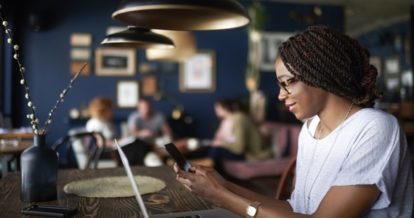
(365, 15)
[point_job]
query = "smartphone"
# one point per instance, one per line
(48, 210)
(178, 157)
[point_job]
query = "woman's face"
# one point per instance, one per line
(221, 112)
(302, 100)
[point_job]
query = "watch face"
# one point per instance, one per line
(251, 211)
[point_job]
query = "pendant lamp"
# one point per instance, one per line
(183, 14)
(137, 37)
(185, 47)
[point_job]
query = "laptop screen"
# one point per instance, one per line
(209, 213)
(132, 180)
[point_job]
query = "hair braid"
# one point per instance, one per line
(298, 55)
(342, 59)
(322, 57)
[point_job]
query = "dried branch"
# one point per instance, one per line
(34, 121)
(61, 98)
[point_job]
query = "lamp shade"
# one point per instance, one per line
(185, 47)
(137, 37)
(183, 14)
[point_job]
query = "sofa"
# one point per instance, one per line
(284, 141)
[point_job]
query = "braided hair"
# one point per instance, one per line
(322, 57)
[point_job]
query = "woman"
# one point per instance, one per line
(224, 134)
(237, 137)
(101, 112)
(352, 159)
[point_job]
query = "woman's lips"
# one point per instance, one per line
(290, 106)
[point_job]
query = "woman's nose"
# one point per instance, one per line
(282, 94)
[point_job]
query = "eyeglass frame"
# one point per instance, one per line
(285, 84)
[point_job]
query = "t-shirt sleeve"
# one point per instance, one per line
(373, 159)
(132, 120)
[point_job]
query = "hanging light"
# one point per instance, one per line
(183, 14)
(185, 47)
(138, 37)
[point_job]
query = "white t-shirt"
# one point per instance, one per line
(96, 125)
(367, 148)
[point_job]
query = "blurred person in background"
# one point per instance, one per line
(147, 124)
(101, 119)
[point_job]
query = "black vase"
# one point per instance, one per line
(39, 167)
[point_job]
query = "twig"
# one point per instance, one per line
(61, 98)
(34, 121)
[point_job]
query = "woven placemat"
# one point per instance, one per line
(113, 187)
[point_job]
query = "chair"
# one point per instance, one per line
(135, 151)
(83, 149)
(284, 187)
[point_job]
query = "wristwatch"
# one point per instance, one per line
(252, 209)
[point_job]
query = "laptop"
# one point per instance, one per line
(210, 213)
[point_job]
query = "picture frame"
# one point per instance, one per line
(127, 93)
(80, 54)
(75, 67)
(81, 39)
(392, 65)
(198, 73)
(149, 85)
(269, 48)
(115, 61)
(392, 78)
(407, 78)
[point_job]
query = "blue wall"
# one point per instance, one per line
(390, 42)
(46, 55)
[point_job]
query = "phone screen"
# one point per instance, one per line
(178, 157)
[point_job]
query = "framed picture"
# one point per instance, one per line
(269, 48)
(149, 85)
(407, 78)
(392, 78)
(75, 66)
(392, 65)
(80, 39)
(115, 61)
(82, 54)
(197, 73)
(127, 93)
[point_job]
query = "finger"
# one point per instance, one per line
(182, 174)
(184, 181)
(188, 187)
(200, 170)
(175, 167)
(192, 169)
(190, 176)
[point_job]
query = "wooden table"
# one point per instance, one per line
(173, 198)
(9, 149)
(16, 135)
(14, 148)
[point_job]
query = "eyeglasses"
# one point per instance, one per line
(286, 85)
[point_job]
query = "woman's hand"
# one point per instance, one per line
(203, 181)
(145, 133)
